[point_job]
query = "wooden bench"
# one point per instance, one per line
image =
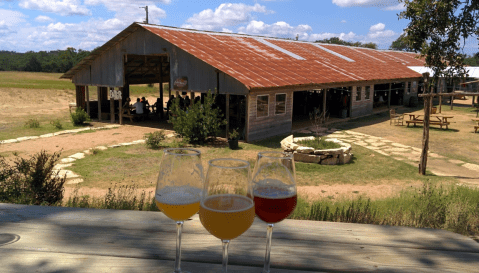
(128, 114)
(420, 121)
(432, 122)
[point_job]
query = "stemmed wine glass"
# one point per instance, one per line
(178, 190)
(274, 191)
(227, 207)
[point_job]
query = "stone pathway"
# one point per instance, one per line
(467, 173)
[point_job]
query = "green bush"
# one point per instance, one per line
(153, 140)
(31, 181)
(79, 117)
(57, 124)
(32, 123)
(198, 122)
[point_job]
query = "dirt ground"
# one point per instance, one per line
(18, 104)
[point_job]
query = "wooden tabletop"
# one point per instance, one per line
(55, 239)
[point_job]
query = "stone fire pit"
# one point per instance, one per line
(336, 156)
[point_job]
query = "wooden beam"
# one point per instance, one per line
(87, 91)
(324, 104)
(247, 118)
(160, 107)
(389, 95)
(112, 109)
(98, 89)
(120, 110)
(448, 94)
(228, 115)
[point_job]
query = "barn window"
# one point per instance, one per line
(280, 104)
(358, 93)
(368, 92)
(262, 106)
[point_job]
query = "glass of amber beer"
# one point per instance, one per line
(227, 207)
(178, 190)
(274, 191)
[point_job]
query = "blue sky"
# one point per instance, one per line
(34, 25)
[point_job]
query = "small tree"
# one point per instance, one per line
(199, 121)
(400, 44)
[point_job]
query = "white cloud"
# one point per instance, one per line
(43, 19)
(9, 19)
(343, 21)
(129, 11)
(278, 29)
(62, 7)
(385, 4)
(223, 16)
(377, 27)
(378, 31)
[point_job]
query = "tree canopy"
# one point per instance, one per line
(336, 40)
(58, 61)
(400, 44)
(438, 29)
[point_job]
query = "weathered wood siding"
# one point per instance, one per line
(272, 125)
(364, 106)
(108, 70)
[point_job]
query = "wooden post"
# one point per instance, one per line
(473, 98)
(425, 132)
(228, 115)
(98, 89)
(120, 111)
(324, 104)
(246, 137)
(112, 109)
(440, 104)
(389, 96)
(192, 98)
(160, 107)
(87, 91)
(452, 101)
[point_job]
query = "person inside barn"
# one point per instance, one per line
(138, 106)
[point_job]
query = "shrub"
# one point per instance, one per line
(199, 121)
(57, 124)
(153, 140)
(234, 134)
(79, 117)
(32, 123)
(31, 181)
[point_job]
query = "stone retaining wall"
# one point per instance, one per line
(336, 156)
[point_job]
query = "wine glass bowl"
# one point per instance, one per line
(178, 189)
(227, 208)
(274, 191)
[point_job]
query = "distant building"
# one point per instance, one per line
(267, 84)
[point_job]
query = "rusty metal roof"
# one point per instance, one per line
(264, 62)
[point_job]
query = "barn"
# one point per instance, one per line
(266, 85)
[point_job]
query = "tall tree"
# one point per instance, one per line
(336, 40)
(437, 30)
(400, 44)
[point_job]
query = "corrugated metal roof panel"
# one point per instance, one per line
(262, 62)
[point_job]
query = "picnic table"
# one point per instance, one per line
(440, 120)
(56, 239)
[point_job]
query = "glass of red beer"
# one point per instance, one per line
(274, 191)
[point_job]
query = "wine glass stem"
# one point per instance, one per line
(269, 234)
(226, 243)
(179, 227)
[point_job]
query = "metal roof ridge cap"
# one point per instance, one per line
(335, 53)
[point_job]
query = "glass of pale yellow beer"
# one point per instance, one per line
(178, 190)
(227, 206)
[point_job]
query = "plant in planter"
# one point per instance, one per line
(233, 139)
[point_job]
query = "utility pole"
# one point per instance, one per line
(146, 9)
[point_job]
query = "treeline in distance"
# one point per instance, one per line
(57, 61)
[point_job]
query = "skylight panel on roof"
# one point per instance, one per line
(334, 53)
(289, 53)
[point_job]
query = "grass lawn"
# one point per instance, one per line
(139, 165)
(34, 80)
